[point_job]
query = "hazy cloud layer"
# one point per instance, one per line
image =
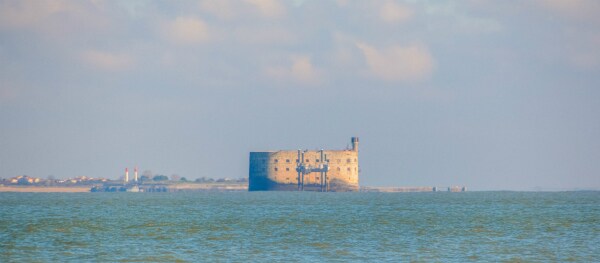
(490, 94)
(107, 61)
(398, 63)
(393, 12)
(301, 70)
(268, 8)
(186, 31)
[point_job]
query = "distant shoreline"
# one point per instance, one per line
(86, 189)
(45, 189)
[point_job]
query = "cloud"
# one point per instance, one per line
(345, 57)
(398, 63)
(300, 70)
(7, 93)
(577, 28)
(393, 13)
(232, 9)
(186, 31)
(223, 9)
(268, 8)
(54, 18)
(303, 69)
(585, 60)
(459, 17)
(582, 51)
(107, 61)
(28, 13)
(342, 3)
(261, 35)
(574, 9)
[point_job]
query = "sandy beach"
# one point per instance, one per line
(45, 189)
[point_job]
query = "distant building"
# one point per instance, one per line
(317, 170)
(24, 179)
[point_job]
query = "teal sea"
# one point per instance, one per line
(300, 226)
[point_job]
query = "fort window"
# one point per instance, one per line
(348, 160)
(347, 169)
(338, 169)
(276, 160)
(307, 160)
(275, 169)
(287, 169)
(287, 160)
(317, 160)
(354, 159)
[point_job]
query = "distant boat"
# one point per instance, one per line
(133, 189)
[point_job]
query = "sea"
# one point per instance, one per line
(300, 227)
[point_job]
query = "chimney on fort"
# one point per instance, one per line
(354, 144)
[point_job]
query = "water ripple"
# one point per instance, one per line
(291, 226)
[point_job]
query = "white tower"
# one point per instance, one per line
(135, 177)
(126, 175)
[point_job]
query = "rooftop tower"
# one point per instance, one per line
(354, 144)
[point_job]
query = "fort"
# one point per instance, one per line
(304, 170)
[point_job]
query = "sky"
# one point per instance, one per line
(492, 95)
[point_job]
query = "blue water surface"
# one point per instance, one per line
(300, 226)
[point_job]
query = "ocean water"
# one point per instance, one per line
(293, 226)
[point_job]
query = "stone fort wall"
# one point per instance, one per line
(276, 170)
